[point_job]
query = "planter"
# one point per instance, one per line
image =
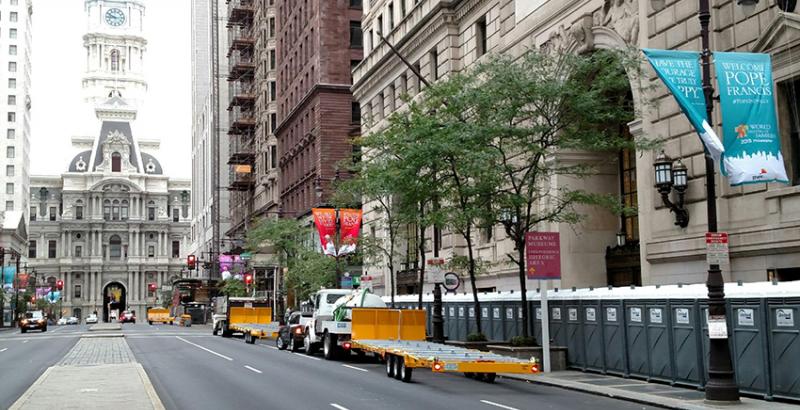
(558, 354)
(482, 346)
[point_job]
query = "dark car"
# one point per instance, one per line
(33, 320)
(127, 317)
(291, 335)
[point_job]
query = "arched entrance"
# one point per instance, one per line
(114, 300)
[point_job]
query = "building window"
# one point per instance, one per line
(272, 27)
(356, 35)
(115, 211)
(272, 91)
(12, 100)
(176, 215)
(402, 8)
(151, 213)
(32, 216)
(77, 291)
(355, 112)
(480, 36)
(51, 249)
(12, 50)
(12, 33)
(116, 162)
(32, 249)
(9, 170)
(434, 64)
(11, 133)
(9, 205)
(379, 25)
(789, 113)
(124, 211)
(107, 210)
(356, 3)
(273, 122)
(273, 156)
(12, 66)
(115, 247)
(176, 249)
(52, 213)
(78, 251)
(151, 251)
(630, 223)
(79, 212)
(114, 60)
(12, 117)
(12, 83)
(10, 152)
(390, 14)
(9, 189)
(13, 17)
(272, 64)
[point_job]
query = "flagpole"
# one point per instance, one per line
(721, 385)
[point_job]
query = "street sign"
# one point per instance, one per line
(246, 256)
(347, 282)
(434, 273)
(451, 281)
(717, 327)
(166, 288)
(366, 283)
(717, 248)
(543, 255)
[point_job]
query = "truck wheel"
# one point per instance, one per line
(489, 377)
(330, 348)
(150, 322)
(213, 332)
(225, 331)
(398, 365)
(469, 375)
(279, 343)
(390, 365)
(308, 347)
(23, 330)
(405, 372)
(44, 329)
(293, 346)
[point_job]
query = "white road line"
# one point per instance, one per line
(25, 341)
(252, 369)
(305, 356)
(201, 347)
(355, 368)
(336, 406)
(270, 347)
(3, 350)
(502, 406)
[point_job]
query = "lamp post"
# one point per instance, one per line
(669, 176)
(721, 385)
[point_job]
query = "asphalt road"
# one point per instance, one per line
(24, 357)
(191, 369)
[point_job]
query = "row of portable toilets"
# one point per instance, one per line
(650, 333)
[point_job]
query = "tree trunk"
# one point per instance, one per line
(421, 247)
(523, 286)
(472, 280)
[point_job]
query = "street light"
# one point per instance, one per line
(669, 176)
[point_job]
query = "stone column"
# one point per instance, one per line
(90, 286)
(65, 293)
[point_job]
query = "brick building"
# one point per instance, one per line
(318, 43)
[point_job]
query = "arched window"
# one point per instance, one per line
(115, 247)
(107, 210)
(124, 211)
(116, 162)
(115, 210)
(115, 60)
(151, 211)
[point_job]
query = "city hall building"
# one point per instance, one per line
(112, 224)
(438, 37)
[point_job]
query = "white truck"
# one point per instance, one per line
(330, 325)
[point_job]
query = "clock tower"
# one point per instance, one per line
(114, 47)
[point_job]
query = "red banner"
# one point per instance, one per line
(543, 255)
(325, 219)
(351, 225)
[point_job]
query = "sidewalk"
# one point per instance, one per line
(98, 373)
(655, 394)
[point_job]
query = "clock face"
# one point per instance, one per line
(115, 17)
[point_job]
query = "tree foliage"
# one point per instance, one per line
(233, 287)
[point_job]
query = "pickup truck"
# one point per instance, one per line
(251, 317)
(330, 326)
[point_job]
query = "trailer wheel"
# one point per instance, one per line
(405, 371)
(479, 376)
(250, 339)
(225, 331)
(469, 375)
(390, 365)
(329, 347)
(151, 323)
(398, 367)
(489, 377)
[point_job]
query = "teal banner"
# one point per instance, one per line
(680, 72)
(749, 124)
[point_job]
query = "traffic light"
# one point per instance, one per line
(191, 262)
(248, 279)
(59, 284)
(151, 287)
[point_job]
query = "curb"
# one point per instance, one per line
(20, 403)
(663, 402)
(101, 335)
(148, 387)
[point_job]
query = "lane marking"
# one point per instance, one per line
(25, 341)
(201, 347)
(270, 347)
(502, 406)
(253, 369)
(305, 356)
(3, 350)
(336, 406)
(355, 368)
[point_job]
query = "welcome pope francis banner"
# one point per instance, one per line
(680, 72)
(749, 124)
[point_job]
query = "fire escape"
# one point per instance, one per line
(241, 58)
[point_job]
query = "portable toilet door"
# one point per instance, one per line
(557, 318)
(497, 321)
(657, 322)
(575, 355)
(636, 340)
(461, 321)
(784, 347)
(613, 313)
(511, 319)
(593, 335)
(686, 343)
(750, 338)
(451, 323)
(536, 316)
(486, 321)
(472, 325)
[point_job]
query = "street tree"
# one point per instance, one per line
(233, 287)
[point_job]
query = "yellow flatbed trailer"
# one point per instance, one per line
(253, 331)
(398, 337)
(254, 321)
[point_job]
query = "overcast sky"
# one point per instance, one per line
(58, 65)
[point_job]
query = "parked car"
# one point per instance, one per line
(127, 317)
(91, 319)
(33, 320)
(292, 334)
(62, 321)
(72, 320)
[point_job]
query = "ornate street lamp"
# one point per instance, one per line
(669, 176)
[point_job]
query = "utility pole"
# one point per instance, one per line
(721, 385)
